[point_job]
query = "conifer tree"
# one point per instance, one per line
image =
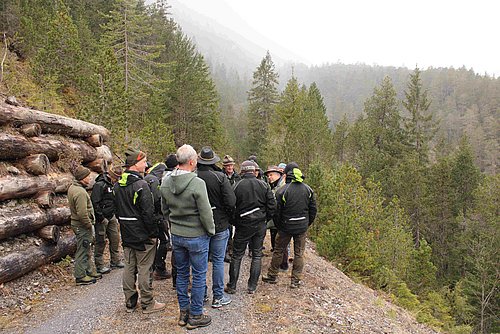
(191, 98)
(262, 99)
(317, 136)
(382, 146)
(481, 239)
(419, 125)
(465, 176)
(413, 169)
(126, 32)
(340, 139)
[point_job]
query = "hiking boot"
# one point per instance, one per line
(270, 279)
(283, 268)
(96, 275)
(295, 283)
(251, 291)
(195, 321)
(183, 318)
(216, 303)
(118, 265)
(130, 309)
(103, 270)
(155, 307)
(86, 280)
(161, 275)
(229, 290)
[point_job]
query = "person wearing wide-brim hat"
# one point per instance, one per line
(222, 200)
(207, 156)
(276, 179)
(228, 169)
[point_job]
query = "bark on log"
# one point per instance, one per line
(50, 233)
(95, 140)
(17, 264)
(27, 218)
(103, 152)
(98, 165)
(50, 123)
(45, 199)
(31, 130)
(18, 147)
(36, 164)
(21, 186)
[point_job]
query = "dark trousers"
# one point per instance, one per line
(274, 233)
(254, 237)
(299, 245)
(162, 248)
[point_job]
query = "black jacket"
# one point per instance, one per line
(153, 178)
(134, 210)
(235, 178)
(296, 205)
(220, 194)
(103, 199)
(255, 201)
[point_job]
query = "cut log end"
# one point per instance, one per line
(95, 140)
(49, 233)
(36, 164)
(31, 130)
(45, 199)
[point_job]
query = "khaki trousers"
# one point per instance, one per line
(138, 266)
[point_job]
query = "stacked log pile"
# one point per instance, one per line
(38, 152)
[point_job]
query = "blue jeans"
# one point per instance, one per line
(218, 245)
(191, 253)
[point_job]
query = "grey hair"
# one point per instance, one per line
(185, 153)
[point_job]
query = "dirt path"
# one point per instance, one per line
(329, 302)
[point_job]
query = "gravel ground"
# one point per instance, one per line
(328, 302)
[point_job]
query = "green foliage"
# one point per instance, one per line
(465, 177)
(191, 100)
(262, 98)
(481, 239)
(299, 128)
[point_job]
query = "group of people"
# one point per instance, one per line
(190, 205)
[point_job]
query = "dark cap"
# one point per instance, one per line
(248, 166)
(133, 156)
(290, 167)
(171, 161)
(81, 173)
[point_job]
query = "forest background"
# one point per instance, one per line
(403, 162)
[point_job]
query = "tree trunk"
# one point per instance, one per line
(26, 186)
(27, 218)
(17, 264)
(36, 164)
(31, 130)
(18, 147)
(45, 199)
(50, 123)
(94, 140)
(50, 233)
